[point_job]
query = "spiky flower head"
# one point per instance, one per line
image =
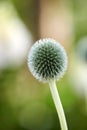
(47, 60)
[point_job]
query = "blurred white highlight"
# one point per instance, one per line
(78, 70)
(15, 39)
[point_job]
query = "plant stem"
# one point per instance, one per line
(58, 105)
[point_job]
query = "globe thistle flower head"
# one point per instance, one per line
(47, 60)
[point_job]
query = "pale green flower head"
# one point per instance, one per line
(47, 60)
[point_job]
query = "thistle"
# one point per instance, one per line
(47, 61)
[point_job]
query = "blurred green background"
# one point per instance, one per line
(25, 103)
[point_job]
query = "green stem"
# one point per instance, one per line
(58, 105)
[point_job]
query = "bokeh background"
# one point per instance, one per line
(25, 103)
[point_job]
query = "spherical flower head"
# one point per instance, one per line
(47, 60)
